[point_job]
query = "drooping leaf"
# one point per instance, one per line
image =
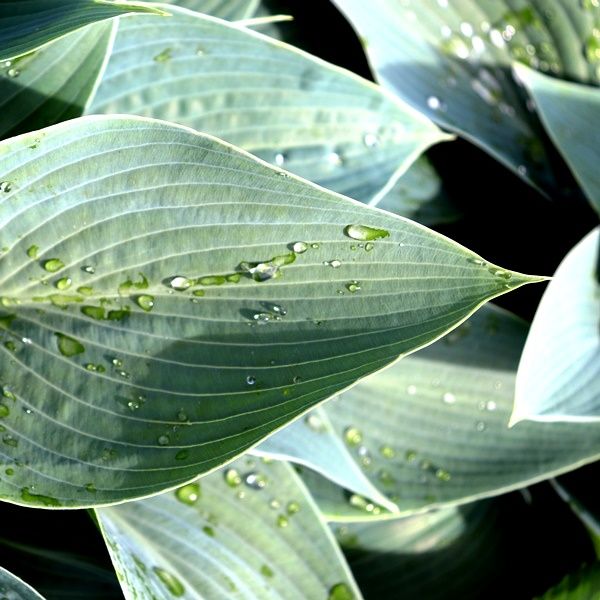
(569, 112)
(559, 372)
(25, 26)
(169, 301)
(432, 429)
(13, 588)
(419, 195)
(53, 83)
(452, 61)
(232, 10)
(582, 585)
(277, 102)
(249, 531)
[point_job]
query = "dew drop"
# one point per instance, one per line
(365, 233)
(370, 140)
(466, 29)
(68, 346)
(180, 283)
(14, 73)
(163, 440)
(9, 440)
(333, 158)
(4, 411)
(411, 390)
(314, 423)
(53, 264)
(5, 186)
(250, 380)
(353, 286)
(300, 247)
(490, 405)
(279, 159)
(164, 56)
(232, 478)
(188, 494)
(335, 264)
(145, 302)
(282, 521)
(480, 426)
(449, 398)
(64, 283)
(266, 571)
(32, 251)
(173, 585)
(256, 481)
(292, 507)
(369, 246)
(387, 452)
(340, 591)
(88, 269)
(442, 475)
(353, 436)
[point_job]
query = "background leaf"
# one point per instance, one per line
(281, 104)
(12, 588)
(25, 26)
(452, 60)
(249, 531)
(582, 585)
(568, 111)
(559, 372)
(53, 83)
(170, 301)
(432, 429)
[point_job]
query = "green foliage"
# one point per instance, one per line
(201, 336)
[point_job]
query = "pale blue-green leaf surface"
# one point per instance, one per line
(570, 112)
(232, 10)
(25, 25)
(559, 372)
(451, 59)
(13, 588)
(169, 301)
(53, 83)
(275, 101)
(432, 429)
(250, 531)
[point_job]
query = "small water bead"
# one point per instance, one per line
(449, 398)
(256, 481)
(369, 246)
(387, 452)
(53, 264)
(4, 411)
(364, 233)
(478, 44)
(188, 494)
(362, 503)
(386, 477)
(173, 585)
(264, 317)
(443, 475)
(32, 251)
(10, 472)
(333, 158)
(88, 269)
(145, 302)
(410, 455)
(180, 283)
(300, 247)
(434, 103)
(490, 405)
(353, 436)
(411, 390)
(292, 507)
(182, 455)
(279, 159)
(10, 345)
(124, 374)
(477, 261)
(250, 380)
(11, 441)
(340, 591)
(314, 423)
(353, 287)
(232, 478)
(266, 571)
(14, 73)
(64, 283)
(480, 426)
(466, 29)
(7, 393)
(364, 456)
(68, 346)
(164, 440)
(370, 140)
(274, 504)
(5, 186)
(282, 521)
(333, 263)
(27, 341)
(278, 310)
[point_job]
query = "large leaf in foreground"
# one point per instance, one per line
(432, 429)
(245, 532)
(54, 83)
(169, 301)
(570, 112)
(25, 26)
(559, 373)
(12, 588)
(452, 61)
(279, 103)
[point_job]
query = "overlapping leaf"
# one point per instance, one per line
(569, 112)
(13, 588)
(246, 532)
(452, 61)
(25, 26)
(559, 372)
(287, 107)
(169, 301)
(432, 429)
(55, 82)
(232, 10)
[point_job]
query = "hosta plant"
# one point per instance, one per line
(218, 251)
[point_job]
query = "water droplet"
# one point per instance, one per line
(410, 455)
(282, 521)
(27, 341)
(250, 380)
(370, 140)
(182, 416)
(173, 585)
(279, 159)
(362, 503)
(449, 398)
(38, 499)
(340, 591)
(188, 494)
(14, 73)
(4, 411)
(5, 186)
(180, 283)
(480, 426)
(53, 264)
(353, 286)
(208, 531)
(333, 263)
(455, 45)
(274, 504)
(256, 481)
(442, 475)
(387, 451)
(88, 269)
(266, 571)
(117, 362)
(68, 346)
(10, 345)
(64, 283)
(490, 405)
(9, 440)
(90, 487)
(164, 440)
(164, 56)
(364, 456)
(411, 390)
(466, 29)
(145, 302)
(497, 38)
(232, 478)
(352, 436)
(94, 312)
(32, 251)
(182, 455)
(10, 472)
(314, 422)
(364, 233)
(292, 507)
(369, 246)
(333, 158)
(300, 247)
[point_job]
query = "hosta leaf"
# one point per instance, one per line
(232, 10)
(559, 372)
(567, 111)
(418, 195)
(452, 60)
(13, 588)
(25, 26)
(246, 532)
(432, 429)
(53, 83)
(582, 585)
(277, 102)
(169, 301)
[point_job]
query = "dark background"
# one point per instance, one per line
(507, 222)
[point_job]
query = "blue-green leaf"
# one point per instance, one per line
(13, 588)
